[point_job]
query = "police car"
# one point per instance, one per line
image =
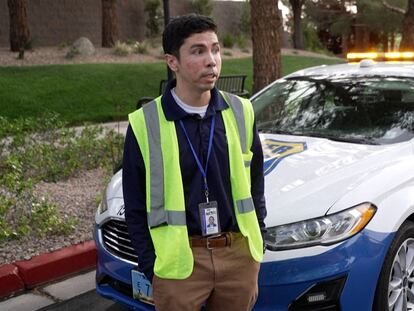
(338, 143)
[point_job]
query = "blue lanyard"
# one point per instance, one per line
(210, 144)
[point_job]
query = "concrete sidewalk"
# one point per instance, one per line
(41, 297)
(119, 127)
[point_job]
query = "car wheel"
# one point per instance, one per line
(395, 288)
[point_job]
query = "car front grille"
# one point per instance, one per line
(117, 241)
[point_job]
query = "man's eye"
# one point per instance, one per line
(197, 51)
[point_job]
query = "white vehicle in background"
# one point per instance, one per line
(339, 168)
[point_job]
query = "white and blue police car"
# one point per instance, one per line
(338, 143)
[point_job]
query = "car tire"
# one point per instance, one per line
(396, 297)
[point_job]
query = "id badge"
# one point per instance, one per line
(210, 223)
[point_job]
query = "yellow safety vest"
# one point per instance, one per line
(158, 143)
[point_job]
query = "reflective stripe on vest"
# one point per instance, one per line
(237, 107)
(158, 216)
(245, 205)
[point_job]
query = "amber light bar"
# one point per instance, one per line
(399, 55)
(389, 56)
(354, 56)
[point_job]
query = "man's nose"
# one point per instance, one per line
(211, 60)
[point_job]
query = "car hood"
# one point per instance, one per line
(305, 176)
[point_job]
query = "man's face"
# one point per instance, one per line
(199, 64)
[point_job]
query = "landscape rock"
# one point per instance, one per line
(84, 46)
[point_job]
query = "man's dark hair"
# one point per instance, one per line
(182, 27)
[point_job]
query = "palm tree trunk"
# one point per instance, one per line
(297, 24)
(109, 23)
(19, 28)
(266, 24)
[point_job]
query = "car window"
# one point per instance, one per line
(376, 110)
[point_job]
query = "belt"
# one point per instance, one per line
(214, 241)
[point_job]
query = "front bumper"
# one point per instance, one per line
(284, 284)
(113, 278)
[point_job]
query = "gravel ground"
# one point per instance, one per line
(54, 55)
(75, 197)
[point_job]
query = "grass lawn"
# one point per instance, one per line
(101, 92)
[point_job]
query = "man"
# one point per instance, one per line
(211, 222)
(190, 154)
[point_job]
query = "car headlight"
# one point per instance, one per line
(320, 231)
(103, 206)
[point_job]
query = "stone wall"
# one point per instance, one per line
(56, 21)
(53, 22)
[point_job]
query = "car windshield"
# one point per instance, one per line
(371, 110)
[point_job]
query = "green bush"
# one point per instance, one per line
(62, 45)
(130, 41)
(73, 51)
(245, 21)
(153, 9)
(203, 7)
(242, 42)
(44, 149)
(121, 49)
(310, 38)
(140, 47)
(228, 40)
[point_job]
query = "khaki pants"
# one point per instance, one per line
(225, 278)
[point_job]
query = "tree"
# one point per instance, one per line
(296, 6)
(203, 7)
(153, 9)
(266, 24)
(19, 28)
(407, 41)
(109, 23)
(311, 40)
(332, 21)
(245, 22)
(379, 31)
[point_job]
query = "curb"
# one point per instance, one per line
(26, 274)
(10, 281)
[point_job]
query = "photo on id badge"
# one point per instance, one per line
(209, 218)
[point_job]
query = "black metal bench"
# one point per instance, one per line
(232, 83)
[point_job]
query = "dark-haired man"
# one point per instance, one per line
(191, 154)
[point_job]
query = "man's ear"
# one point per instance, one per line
(171, 61)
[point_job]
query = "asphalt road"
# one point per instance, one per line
(90, 301)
